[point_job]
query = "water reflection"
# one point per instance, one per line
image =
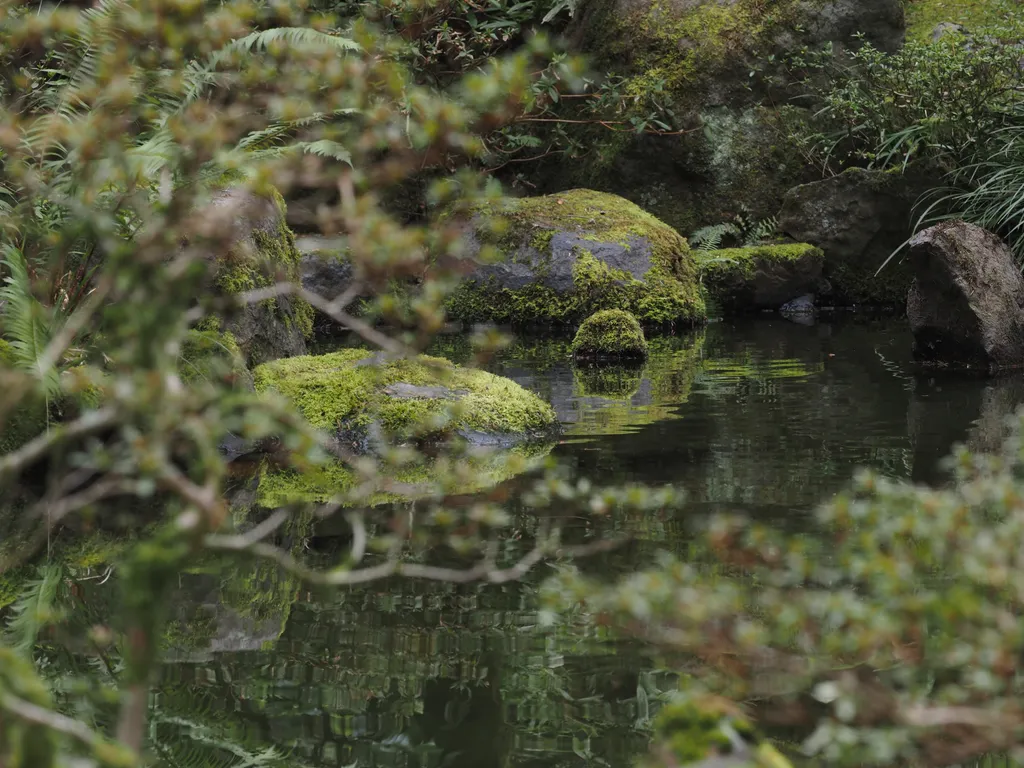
(766, 416)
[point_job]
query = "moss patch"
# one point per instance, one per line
(345, 390)
(667, 293)
(610, 334)
(977, 16)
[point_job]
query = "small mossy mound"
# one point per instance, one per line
(760, 277)
(563, 257)
(348, 390)
(610, 335)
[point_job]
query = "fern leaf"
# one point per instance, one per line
(28, 325)
(761, 231)
(34, 609)
(710, 238)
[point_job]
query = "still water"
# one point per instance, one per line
(762, 416)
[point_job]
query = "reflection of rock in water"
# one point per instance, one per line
(953, 408)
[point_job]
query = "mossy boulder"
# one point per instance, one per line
(722, 69)
(760, 277)
(858, 219)
(609, 335)
(352, 392)
(563, 257)
(262, 253)
(928, 18)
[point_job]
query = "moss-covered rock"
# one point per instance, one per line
(609, 335)
(565, 256)
(346, 392)
(262, 253)
(722, 70)
(760, 277)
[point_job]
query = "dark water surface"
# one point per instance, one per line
(763, 416)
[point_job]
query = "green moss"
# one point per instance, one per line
(475, 472)
(335, 391)
(668, 293)
(611, 334)
(611, 382)
(728, 273)
(977, 16)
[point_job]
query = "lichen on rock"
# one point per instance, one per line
(609, 335)
(762, 276)
(565, 256)
(350, 391)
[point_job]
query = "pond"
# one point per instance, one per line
(761, 416)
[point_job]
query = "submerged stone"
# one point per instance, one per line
(609, 335)
(562, 257)
(760, 277)
(966, 305)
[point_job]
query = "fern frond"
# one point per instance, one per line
(710, 238)
(28, 325)
(763, 230)
(34, 609)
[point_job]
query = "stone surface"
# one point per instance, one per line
(562, 257)
(261, 250)
(323, 267)
(760, 277)
(966, 305)
(858, 219)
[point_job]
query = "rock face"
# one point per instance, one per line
(966, 305)
(760, 277)
(700, 54)
(858, 219)
(262, 251)
(323, 267)
(562, 257)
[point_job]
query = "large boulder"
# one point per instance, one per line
(261, 253)
(966, 305)
(858, 219)
(560, 258)
(760, 277)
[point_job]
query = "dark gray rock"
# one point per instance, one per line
(323, 267)
(966, 305)
(259, 241)
(881, 22)
(858, 218)
(555, 269)
(802, 305)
